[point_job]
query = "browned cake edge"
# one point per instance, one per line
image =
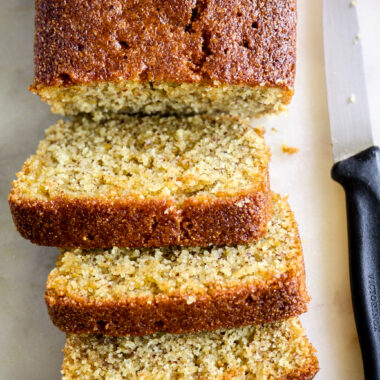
(308, 372)
(278, 299)
(196, 43)
(99, 223)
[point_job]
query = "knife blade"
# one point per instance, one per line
(357, 169)
(345, 80)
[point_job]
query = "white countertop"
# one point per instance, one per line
(30, 346)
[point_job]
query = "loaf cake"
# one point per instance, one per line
(177, 289)
(164, 56)
(276, 351)
(145, 182)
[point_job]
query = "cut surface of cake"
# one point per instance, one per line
(278, 351)
(144, 182)
(178, 289)
(166, 56)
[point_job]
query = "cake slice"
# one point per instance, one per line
(276, 351)
(145, 182)
(167, 57)
(177, 289)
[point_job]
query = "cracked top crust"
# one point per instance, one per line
(244, 42)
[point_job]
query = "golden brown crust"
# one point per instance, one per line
(94, 223)
(205, 41)
(278, 299)
(306, 373)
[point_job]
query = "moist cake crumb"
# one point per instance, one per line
(267, 352)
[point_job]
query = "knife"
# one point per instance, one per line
(357, 169)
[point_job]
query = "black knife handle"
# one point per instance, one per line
(360, 177)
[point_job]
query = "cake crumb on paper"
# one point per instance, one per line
(289, 149)
(260, 130)
(356, 39)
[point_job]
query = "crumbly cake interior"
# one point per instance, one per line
(118, 273)
(146, 157)
(165, 98)
(265, 352)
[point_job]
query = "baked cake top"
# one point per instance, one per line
(248, 42)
